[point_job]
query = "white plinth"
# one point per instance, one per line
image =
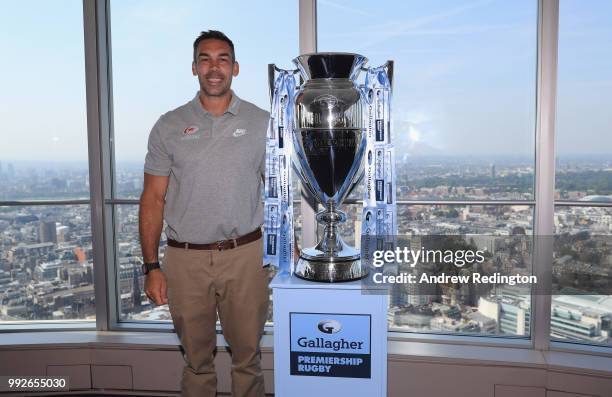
(329, 339)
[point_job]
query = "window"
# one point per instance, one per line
(463, 113)
(584, 122)
(152, 54)
(42, 102)
(46, 267)
(464, 90)
(504, 234)
(46, 263)
(133, 301)
(582, 292)
(582, 302)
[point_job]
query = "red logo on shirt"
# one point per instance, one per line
(190, 130)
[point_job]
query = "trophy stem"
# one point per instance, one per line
(331, 260)
(331, 243)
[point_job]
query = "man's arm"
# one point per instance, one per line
(151, 220)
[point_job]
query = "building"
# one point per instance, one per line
(47, 232)
(511, 315)
(48, 270)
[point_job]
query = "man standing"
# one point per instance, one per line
(204, 175)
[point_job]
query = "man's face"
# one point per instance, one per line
(214, 67)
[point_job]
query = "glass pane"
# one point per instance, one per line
(499, 310)
(152, 54)
(464, 89)
(43, 127)
(46, 263)
(481, 309)
(134, 303)
(584, 99)
(582, 268)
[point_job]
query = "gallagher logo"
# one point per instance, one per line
(190, 130)
(329, 326)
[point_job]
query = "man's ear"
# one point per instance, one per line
(235, 69)
(193, 69)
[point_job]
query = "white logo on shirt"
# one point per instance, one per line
(239, 132)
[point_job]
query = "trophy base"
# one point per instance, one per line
(327, 271)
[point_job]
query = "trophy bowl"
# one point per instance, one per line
(329, 143)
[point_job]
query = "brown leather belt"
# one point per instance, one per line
(219, 245)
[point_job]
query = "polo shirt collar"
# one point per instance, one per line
(233, 108)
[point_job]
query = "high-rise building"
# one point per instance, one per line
(47, 232)
(62, 234)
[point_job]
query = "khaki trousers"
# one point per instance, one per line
(234, 284)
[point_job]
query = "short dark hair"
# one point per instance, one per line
(213, 34)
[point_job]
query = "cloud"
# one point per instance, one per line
(416, 26)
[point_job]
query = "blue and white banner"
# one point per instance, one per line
(379, 214)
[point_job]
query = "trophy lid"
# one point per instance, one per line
(329, 65)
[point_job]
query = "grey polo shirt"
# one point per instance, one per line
(215, 166)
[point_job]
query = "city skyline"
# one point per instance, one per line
(46, 272)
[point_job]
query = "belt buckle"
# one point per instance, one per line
(225, 244)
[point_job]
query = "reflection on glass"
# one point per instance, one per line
(46, 263)
(43, 130)
(464, 90)
(584, 99)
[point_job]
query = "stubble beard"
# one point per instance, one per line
(217, 91)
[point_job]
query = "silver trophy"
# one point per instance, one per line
(329, 144)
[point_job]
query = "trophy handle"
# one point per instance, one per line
(390, 73)
(389, 66)
(272, 69)
(271, 73)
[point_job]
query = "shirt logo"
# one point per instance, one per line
(239, 132)
(190, 130)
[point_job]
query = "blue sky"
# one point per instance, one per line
(465, 70)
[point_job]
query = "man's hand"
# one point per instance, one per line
(156, 287)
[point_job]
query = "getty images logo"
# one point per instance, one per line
(329, 326)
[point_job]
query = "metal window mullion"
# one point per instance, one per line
(98, 117)
(548, 27)
(308, 43)
(110, 181)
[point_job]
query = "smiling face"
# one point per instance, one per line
(214, 66)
